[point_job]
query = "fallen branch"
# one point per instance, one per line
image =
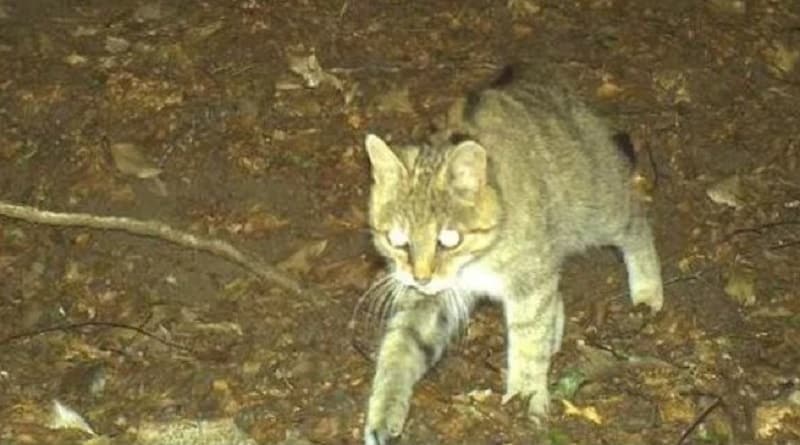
(153, 229)
(102, 324)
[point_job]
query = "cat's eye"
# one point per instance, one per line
(397, 238)
(449, 238)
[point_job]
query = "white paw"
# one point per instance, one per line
(652, 296)
(538, 404)
(385, 424)
(375, 437)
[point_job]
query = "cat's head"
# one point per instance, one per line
(432, 210)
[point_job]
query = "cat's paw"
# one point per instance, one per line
(376, 437)
(385, 424)
(651, 296)
(538, 405)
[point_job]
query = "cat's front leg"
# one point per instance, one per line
(534, 323)
(414, 341)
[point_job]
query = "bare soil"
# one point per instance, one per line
(127, 330)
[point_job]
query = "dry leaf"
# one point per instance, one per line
(64, 417)
(395, 101)
(74, 59)
(608, 89)
(771, 418)
(523, 8)
(183, 432)
(116, 45)
(780, 59)
(589, 413)
(737, 7)
(480, 395)
(727, 192)
(222, 328)
(300, 261)
(130, 161)
(741, 286)
(308, 67)
(257, 222)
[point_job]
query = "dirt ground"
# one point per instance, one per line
(213, 118)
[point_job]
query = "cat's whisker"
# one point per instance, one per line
(451, 306)
(378, 296)
(388, 306)
(459, 313)
(463, 321)
(368, 294)
(376, 288)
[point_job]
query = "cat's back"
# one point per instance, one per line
(530, 114)
(550, 153)
(529, 121)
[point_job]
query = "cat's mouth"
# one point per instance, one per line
(431, 287)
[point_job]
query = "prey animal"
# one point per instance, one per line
(523, 175)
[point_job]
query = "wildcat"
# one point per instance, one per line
(523, 175)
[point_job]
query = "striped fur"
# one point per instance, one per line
(523, 176)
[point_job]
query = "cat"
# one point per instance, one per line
(523, 175)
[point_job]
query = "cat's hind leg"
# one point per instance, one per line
(641, 260)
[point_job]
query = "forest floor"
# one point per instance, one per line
(215, 120)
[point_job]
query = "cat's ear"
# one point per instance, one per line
(466, 170)
(387, 169)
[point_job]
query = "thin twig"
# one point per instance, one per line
(361, 350)
(784, 245)
(153, 229)
(699, 420)
(107, 324)
(759, 229)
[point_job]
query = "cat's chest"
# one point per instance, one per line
(481, 280)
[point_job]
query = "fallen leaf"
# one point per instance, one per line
(672, 87)
(223, 328)
(258, 222)
(308, 67)
(607, 89)
(727, 192)
(736, 7)
(523, 8)
(64, 417)
(780, 59)
(677, 409)
(130, 161)
(300, 261)
(348, 273)
(181, 432)
(116, 45)
(294, 438)
(149, 11)
(480, 395)
(395, 101)
(771, 418)
(589, 413)
(74, 59)
(740, 285)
